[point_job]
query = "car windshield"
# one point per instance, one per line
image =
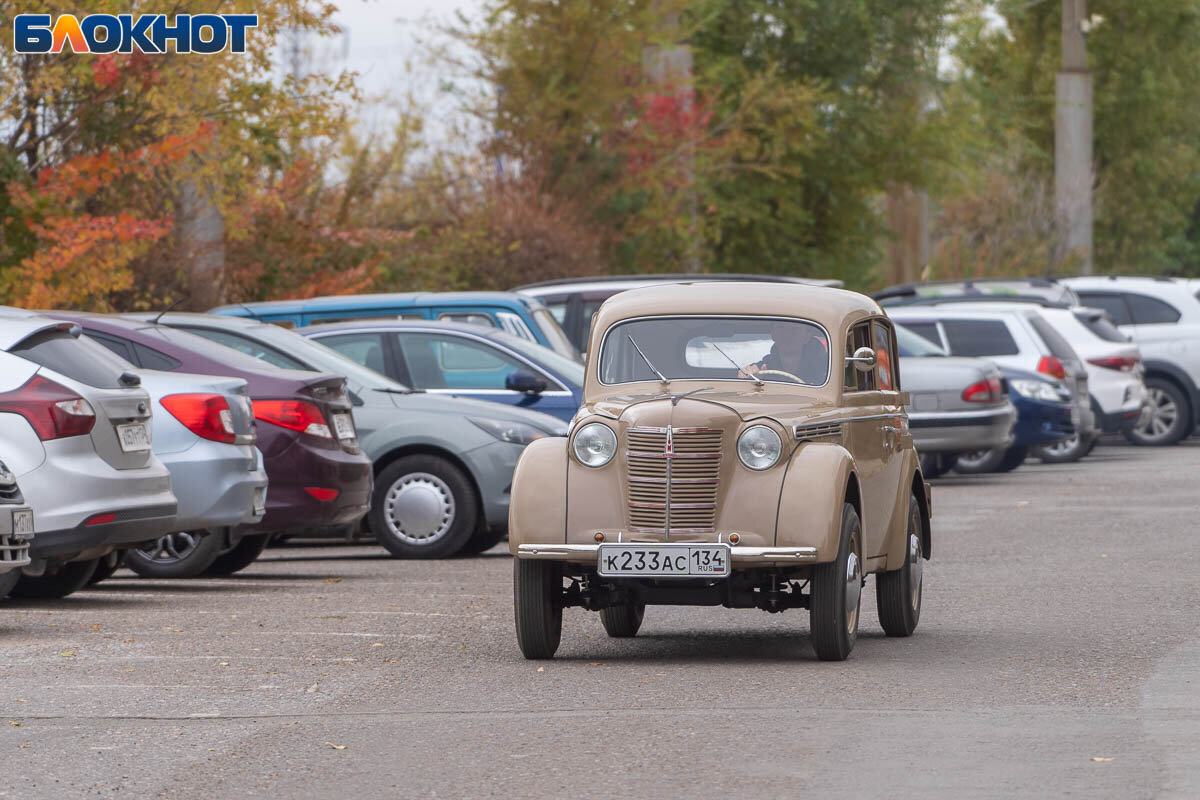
(910, 345)
(568, 368)
(776, 349)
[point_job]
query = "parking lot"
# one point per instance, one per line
(1057, 655)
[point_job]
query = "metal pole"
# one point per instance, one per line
(1073, 140)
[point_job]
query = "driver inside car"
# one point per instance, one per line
(799, 350)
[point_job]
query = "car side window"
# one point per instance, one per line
(979, 338)
(438, 361)
(1150, 310)
(365, 348)
(118, 346)
(926, 330)
(857, 380)
(1113, 305)
(885, 351)
(250, 348)
(152, 359)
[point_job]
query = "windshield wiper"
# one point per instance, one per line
(741, 369)
(398, 391)
(661, 377)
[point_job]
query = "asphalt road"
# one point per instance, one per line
(1058, 655)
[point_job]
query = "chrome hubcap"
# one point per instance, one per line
(172, 547)
(973, 459)
(1161, 414)
(853, 591)
(1063, 446)
(419, 508)
(915, 568)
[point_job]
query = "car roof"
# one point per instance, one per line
(405, 324)
(827, 306)
(638, 281)
(201, 320)
(369, 301)
(958, 310)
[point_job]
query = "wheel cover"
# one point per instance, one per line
(916, 566)
(973, 459)
(853, 586)
(419, 508)
(1161, 415)
(172, 548)
(1063, 446)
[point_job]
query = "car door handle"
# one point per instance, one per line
(890, 429)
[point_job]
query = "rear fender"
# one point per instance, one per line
(537, 511)
(815, 487)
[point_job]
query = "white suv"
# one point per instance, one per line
(1162, 315)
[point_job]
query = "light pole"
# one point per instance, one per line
(1073, 138)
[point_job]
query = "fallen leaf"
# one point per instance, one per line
(336, 746)
(1104, 555)
(333, 580)
(22, 700)
(391, 661)
(95, 627)
(541, 669)
(130, 641)
(14, 724)
(376, 644)
(311, 689)
(1022, 503)
(177, 630)
(594, 664)
(223, 664)
(27, 744)
(67, 654)
(1103, 758)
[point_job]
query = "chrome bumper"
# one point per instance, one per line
(14, 551)
(742, 556)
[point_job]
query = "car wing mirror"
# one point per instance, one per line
(864, 359)
(525, 382)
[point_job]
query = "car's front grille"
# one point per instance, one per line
(682, 464)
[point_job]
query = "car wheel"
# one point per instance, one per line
(7, 581)
(106, 566)
(623, 621)
(1168, 417)
(538, 607)
(979, 462)
(67, 579)
(1065, 451)
(238, 557)
(898, 591)
(1012, 458)
(935, 465)
(185, 554)
(836, 594)
(483, 540)
(423, 507)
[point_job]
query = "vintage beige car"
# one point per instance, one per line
(741, 445)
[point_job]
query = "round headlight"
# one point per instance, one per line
(595, 444)
(759, 447)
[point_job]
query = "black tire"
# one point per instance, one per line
(1067, 451)
(834, 630)
(623, 621)
(8, 580)
(185, 554)
(438, 480)
(1013, 458)
(66, 579)
(537, 606)
(483, 540)
(897, 599)
(980, 462)
(1169, 419)
(935, 465)
(238, 557)
(106, 566)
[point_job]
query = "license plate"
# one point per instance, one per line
(260, 500)
(134, 437)
(344, 426)
(664, 560)
(22, 522)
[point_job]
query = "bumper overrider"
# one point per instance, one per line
(14, 547)
(741, 556)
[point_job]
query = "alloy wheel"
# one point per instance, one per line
(171, 548)
(1162, 414)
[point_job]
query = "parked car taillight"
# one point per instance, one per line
(988, 391)
(1121, 363)
(1049, 365)
(296, 415)
(53, 410)
(206, 415)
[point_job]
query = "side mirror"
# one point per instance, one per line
(525, 382)
(864, 359)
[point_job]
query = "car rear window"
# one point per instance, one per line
(979, 337)
(1059, 347)
(1150, 310)
(60, 351)
(1113, 305)
(1101, 326)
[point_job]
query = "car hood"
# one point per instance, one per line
(746, 404)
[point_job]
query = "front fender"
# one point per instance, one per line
(537, 511)
(817, 483)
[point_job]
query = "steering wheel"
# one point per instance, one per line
(779, 372)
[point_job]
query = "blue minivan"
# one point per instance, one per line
(520, 316)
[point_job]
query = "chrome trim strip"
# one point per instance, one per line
(693, 481)
(685, 531)
(642, 454)
(673, 506)
(742, 555)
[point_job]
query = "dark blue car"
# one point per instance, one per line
(1045, 410)
(461, 359)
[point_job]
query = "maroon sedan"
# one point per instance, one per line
(318, 476)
